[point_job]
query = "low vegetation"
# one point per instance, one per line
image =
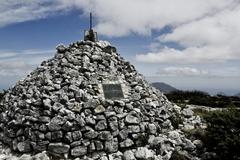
(223, 134)
(203, 99)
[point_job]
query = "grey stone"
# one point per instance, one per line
(99, 145)
(113, 123)
(130, 119)
(67, 126)
(92, 147)
(76, 135)
(24, 147)
(55, 123)
(41, 156)
(56, 135)
(189, 145)
(115, 156)
(123, 134)
(25, 157)
(126, 143)
(41, 146)
(111, 145)
(109, 114)
(105, 135)
(90, 120)
(101, 125)
(47, 103)
(76, 143)
(91, 134)
(128, 155)
(44, 119)
(133, 129)
(187, 112)
(58, 148)
(79, 151)
(144, 153)
(68, 137)
(152, 128)
(61, 48)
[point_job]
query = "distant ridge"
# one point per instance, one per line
(163, 87)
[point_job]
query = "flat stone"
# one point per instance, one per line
(24, 147)
(79, 151)
(144, 153)
(58, 148)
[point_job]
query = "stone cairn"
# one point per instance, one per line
(60, 108)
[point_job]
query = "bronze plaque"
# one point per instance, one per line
(112, 91)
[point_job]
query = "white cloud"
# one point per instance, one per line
(205, 54)
(210, 39)
(207, 30)
(20, 63)
(182, 71)
(12, 11)
(119, 18)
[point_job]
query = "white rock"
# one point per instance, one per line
(144, 153)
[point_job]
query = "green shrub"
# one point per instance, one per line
(204, 99)
(223, 133)
(177, 156)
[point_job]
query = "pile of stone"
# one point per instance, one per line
(62, 108)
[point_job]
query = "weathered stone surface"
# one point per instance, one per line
(55, 123)
(130, 119)
(79, 151)
(187, 112)
(58, 148)
(76, 135)
(101, 125)
(24, 147)
(127, 143)
(105, 135)
(99, 109)
(91, 134)
(144, 153)
(152, 128)
(129, 155)
(111, 145)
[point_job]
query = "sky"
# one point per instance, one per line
(189, 44)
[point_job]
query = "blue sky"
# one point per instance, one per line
(193, 46)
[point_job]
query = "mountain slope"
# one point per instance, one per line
(163, 87)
